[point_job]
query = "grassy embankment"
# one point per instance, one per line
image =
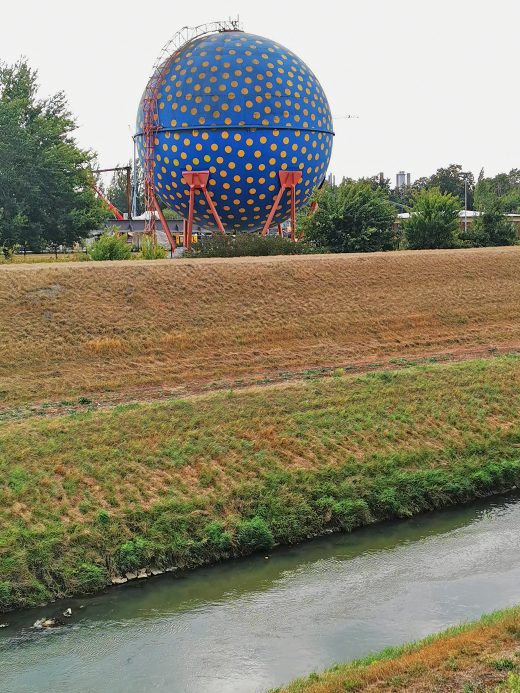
(140, 330)
(97, 493)
(480, 657)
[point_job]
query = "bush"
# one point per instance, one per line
(245, 244)
(7, 253)
(132, 554)
(491, 228)
(351, 218)
(90, 577)
(218, 537)
(103, 518)
(254, 534)
(151, 250)
(349, 514)
(110, 246)
(434, 221)
(5, 595)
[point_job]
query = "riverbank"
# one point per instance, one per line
(482, 656)
(94, 496)
(120, 331)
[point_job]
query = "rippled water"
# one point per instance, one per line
(248, 625)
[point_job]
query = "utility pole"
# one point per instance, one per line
(466, 205)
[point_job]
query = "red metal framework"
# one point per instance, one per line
(151, 123)
(105, 199)
(288, 181)
(99, 192)
(198, 180)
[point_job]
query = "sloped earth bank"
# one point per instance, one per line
(91, 497)
(480, 657)
(89, 331)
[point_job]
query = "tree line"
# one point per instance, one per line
(362, 215)
(47, 198)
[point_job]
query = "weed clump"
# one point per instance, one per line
(110, 246)
(151, 250)
(254, 534)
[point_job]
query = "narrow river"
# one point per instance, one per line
(249, 625)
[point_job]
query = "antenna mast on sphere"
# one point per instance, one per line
(151, 124)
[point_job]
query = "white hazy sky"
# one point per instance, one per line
(433, 82)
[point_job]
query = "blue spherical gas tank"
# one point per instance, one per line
(242, 107)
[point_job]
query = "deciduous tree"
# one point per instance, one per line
(45, 193)
(434, 221)
(352, 217)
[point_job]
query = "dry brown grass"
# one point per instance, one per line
(474, 659)
(84, 328)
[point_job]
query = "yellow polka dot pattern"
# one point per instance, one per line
(243, 108)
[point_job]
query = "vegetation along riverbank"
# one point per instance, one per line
(480, 657)
(94, 495)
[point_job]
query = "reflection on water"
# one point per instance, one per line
(248, 625)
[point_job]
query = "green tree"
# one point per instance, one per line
(504, 187)
(452, 180)
(45, 193)
(352, 217)
(377, 182)
(492, 228)
(434, 221)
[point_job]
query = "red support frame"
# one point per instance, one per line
(198, 180)
(105, 199)
(164, 223)
(288, 181)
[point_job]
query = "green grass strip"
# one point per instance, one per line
(187, 482)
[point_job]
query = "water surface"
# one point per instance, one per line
(248, 625)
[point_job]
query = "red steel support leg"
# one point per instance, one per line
(189, 225)
(280, 231)
(198, 180)
(214, 211)
(293, 212)
(272, 212)
(164, 223)
(288, 179)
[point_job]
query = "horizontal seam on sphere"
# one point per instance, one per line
(238, 127)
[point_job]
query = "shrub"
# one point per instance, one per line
(132, 554)
(491, 228)
(218, 536)
(505, 664)
(434, 221)
(110, 246)
(351, 218)
(151, 250)
(103, 518)
(245, 244)
(254, 534)
(349, 514)
(5, 595)
(90, 577)
(7, 253)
